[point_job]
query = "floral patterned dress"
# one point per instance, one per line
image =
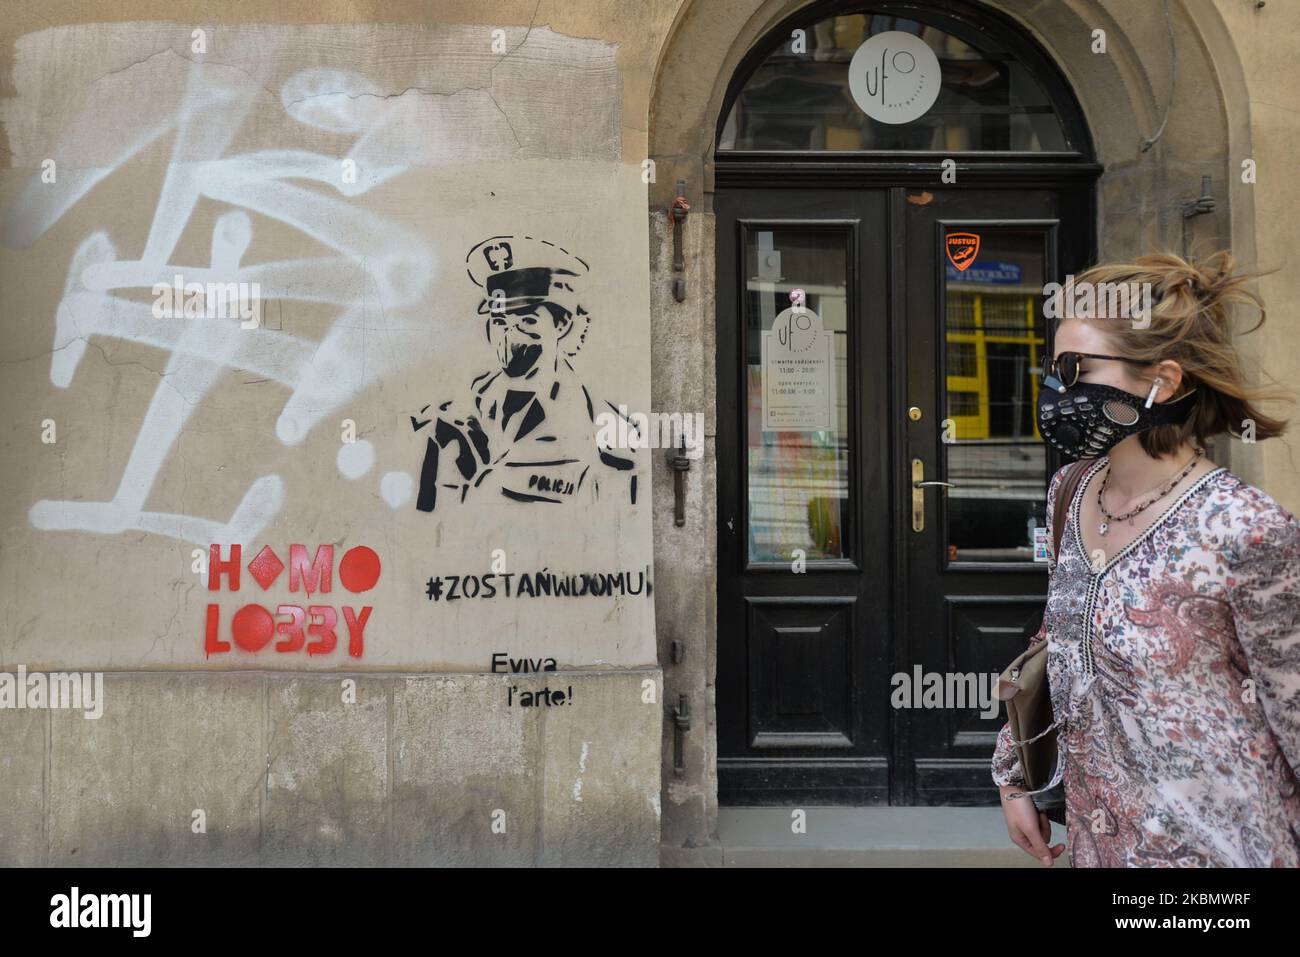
(1175, 673)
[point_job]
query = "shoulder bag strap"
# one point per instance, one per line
(1064, 496)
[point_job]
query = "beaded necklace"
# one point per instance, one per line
(1165, 489)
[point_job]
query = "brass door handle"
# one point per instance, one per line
(918, 494)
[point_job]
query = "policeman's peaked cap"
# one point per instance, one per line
(516, 272)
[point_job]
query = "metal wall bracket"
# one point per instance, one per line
(1202, 205)
(1196, 207)
(678, 212)
(681, 715)
(680, 463)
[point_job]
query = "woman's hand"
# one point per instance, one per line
(1028, 826)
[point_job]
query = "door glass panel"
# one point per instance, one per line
(994, 454)
(798, 479)
(798, 98)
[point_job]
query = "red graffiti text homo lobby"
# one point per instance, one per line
(311, 629)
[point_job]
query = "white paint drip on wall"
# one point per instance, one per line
(397, 488)
(355, 459)
(582, 769)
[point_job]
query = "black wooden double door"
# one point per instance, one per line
(881, 481)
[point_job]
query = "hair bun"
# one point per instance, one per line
(1214, 276)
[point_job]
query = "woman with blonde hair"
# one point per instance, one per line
(1173, 609)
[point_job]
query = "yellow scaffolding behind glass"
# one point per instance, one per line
(975, 320)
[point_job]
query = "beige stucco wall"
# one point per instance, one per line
(169, 162)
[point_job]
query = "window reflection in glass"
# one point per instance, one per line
(798, 481)
(995, 346)
(801, 101)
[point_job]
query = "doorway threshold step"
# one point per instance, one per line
(861, 837)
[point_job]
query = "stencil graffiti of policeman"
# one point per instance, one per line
(526, 429)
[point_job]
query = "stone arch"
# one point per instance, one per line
(1122, 96)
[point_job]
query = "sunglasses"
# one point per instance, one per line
(1065, 367)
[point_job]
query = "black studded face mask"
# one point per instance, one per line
(1088, 419)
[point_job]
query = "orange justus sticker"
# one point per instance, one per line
(962, 248)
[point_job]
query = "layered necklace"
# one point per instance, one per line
(1164, 490)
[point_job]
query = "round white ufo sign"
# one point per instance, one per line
(894, 77)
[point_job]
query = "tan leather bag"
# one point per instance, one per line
(1024, 685)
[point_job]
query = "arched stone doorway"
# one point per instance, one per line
(1122, 96)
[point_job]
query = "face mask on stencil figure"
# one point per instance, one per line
(1088, 419)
